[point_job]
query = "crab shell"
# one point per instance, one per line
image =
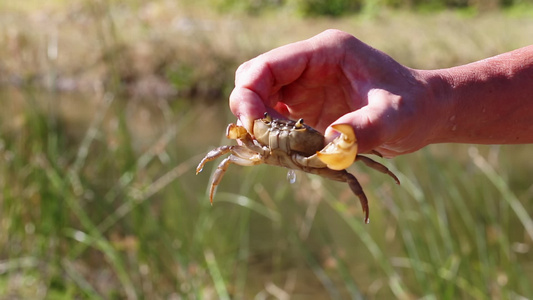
(291, 136)
(288, 135)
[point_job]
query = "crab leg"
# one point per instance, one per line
(312, 161)
(356, 188)
(240, 156)
(344, 176)
(377, 166)
(212, 155)
(217, 176)
(223, 166)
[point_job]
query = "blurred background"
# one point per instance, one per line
(108, 106)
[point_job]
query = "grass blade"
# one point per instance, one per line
(216, 276)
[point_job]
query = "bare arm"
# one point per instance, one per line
(487, 102)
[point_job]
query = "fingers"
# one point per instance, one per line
(247, 106)
(258, 80)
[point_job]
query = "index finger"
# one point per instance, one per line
(258, 81)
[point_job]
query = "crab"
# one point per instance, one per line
(296, 146)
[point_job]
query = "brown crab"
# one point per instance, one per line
(297, 146)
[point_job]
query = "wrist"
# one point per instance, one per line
(438, 103)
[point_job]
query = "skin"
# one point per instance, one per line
(334, 78)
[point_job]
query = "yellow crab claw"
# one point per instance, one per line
(234, 131)
(341, 152)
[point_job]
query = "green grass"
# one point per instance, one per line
(99, 198)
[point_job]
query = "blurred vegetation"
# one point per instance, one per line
(169, 48)
(109, 105)
(335, 8)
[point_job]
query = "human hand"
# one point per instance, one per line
(333, 78)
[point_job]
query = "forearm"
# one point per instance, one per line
(486, 102)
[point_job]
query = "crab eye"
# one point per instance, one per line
(267, 118)
(299, 124)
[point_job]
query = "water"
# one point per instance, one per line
(291, 176)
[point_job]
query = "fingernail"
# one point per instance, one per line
(330, 134)
(246, 122)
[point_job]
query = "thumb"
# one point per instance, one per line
(365, 124)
